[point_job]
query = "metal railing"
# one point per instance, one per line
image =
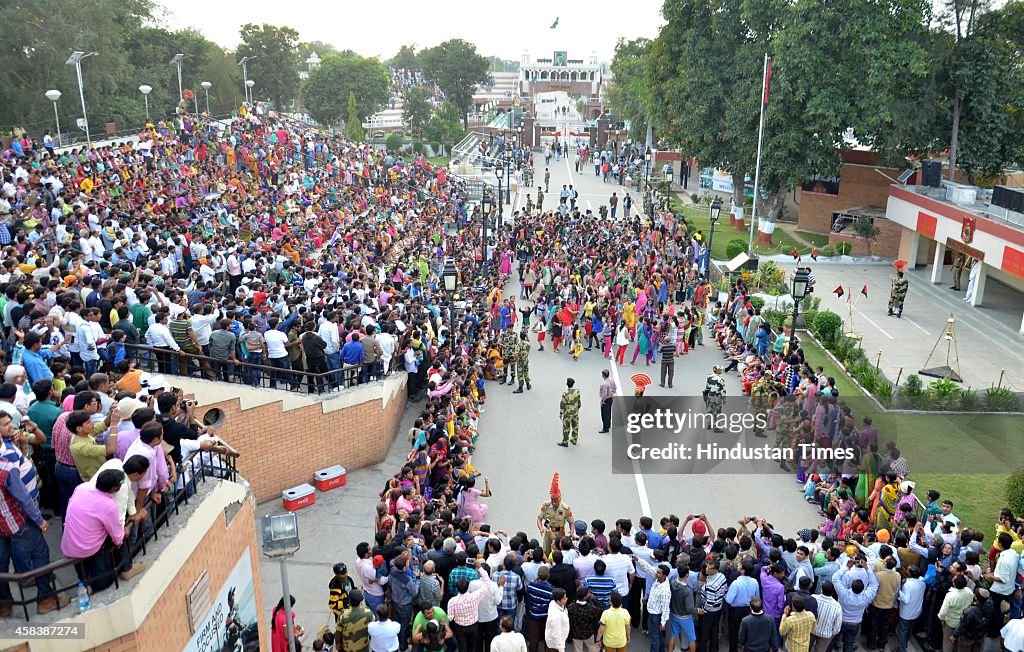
(270, 376)
(194, 471)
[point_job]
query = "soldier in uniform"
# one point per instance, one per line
(509, 348)
(352, 633)
(554, 516)
(714, 396)
(569, 411)
(540, 199)
(523, 362)
(547, 179)
(899, 290)
(959, 265)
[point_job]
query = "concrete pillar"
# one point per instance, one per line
(979, 290)
(940, 254)
(910, 244)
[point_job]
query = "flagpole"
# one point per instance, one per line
(760, 142)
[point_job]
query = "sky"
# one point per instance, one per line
(378, 28)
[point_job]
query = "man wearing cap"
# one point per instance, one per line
(553, 516)
(899, 290)
(339, 590)
(569, 412)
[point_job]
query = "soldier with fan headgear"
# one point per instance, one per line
(899, 289)
(554, 516)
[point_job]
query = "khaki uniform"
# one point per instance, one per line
(555, 519)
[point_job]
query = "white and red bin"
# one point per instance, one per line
(298, 497)
(330, 478)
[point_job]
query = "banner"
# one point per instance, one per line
(232, 622)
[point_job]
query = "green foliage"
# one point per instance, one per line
(828, 251)
(417, 109)
(340, 77)
(1001, 399)
(757, 302)
(944, 394)
(445, 126)
(843, 248)
(417, 147)
(405, 58)
(969, 399)
(393, 142)
(769, 278)
(866, 229)
(735, 248)
(1015, 492)
(457, 68)
(627, 92)
(353, 122)
(913, 386)
(809, 316)
(884, 391)
(775, 318)
(827, 326)
(275, 68)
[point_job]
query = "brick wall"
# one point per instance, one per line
(859, 185)
(283, 448)
(217, 553)
(886, 245)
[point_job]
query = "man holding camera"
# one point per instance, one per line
(855, 594)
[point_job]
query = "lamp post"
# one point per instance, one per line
(245, 75)
(801, 281)
(281, 541)
(53, 96)
(499, 171)
(146, 90)
(249, 84)
(668, 187)
(715, 213)
(206, 87)
(76, 60)
(485, 210)
(450, 275)
(176, 61)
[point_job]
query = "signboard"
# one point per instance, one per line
(959, 247)
(560, 59)
(232, 621)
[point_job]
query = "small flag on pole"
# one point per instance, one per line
(795, 254)
(767, 78)
(864, 290)
(839, 291)
(554, 24)
(814, 254)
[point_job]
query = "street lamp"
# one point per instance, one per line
(499, 171)
(53, 96)
(801, 283)
(206, 87)
(146, 90)
(249, 84)
(281, 541)
(176, 61)
(245, 75)
(485, 209)
(715, 213)
(76, 60)
(450, 275)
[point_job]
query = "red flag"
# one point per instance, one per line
(839, 291)
(814, 254)
(795, 254)
(767, 80)
(864, 290)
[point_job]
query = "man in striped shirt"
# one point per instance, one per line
(830, 617)
(538, 597)
(658, 603)
(600, 584)
(712, 597)
(511, 589)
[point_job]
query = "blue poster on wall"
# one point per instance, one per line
(231, 625)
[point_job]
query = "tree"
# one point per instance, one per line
(405, 58)
(393, 142)
(628, 91)
(417, 109)
(353, 123)
(458, 69)
(445, 125)
(328, 92)
(275, 68)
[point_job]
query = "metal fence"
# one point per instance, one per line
(193, 472)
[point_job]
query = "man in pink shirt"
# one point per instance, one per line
(93, 532)
(156, 479)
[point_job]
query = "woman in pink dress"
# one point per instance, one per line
(279, 627)
(506, 263)
(472, 508)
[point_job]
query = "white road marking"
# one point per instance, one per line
(917, 326)
(872, 322)
(589, 207)
(638, 477)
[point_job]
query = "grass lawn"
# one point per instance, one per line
(439, 161)
(820, 240)
(700, 218)
(984, 448)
